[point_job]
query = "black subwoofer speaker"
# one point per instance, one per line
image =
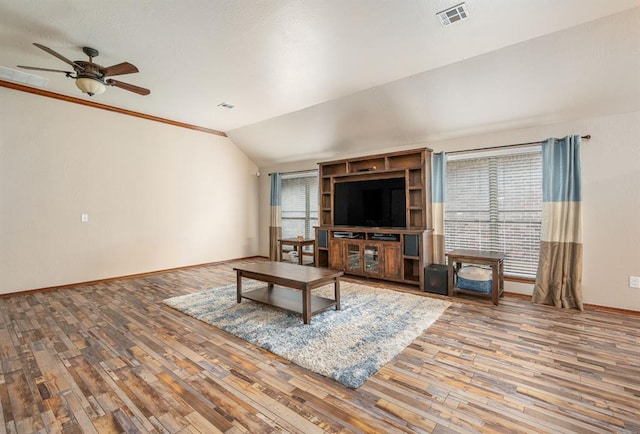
(411, 245)
(323, 239)
(435, 279)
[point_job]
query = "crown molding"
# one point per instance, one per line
(74, 100)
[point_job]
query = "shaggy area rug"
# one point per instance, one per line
(348, 345)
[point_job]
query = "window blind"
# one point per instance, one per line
(299, 204)
(494, 202)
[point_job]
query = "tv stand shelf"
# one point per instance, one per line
(399, 253)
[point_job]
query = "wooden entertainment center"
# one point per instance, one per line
(387, 252)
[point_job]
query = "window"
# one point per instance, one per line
(299, 204)
(494, 202)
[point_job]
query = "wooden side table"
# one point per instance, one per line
(495, 260)
(297, 246)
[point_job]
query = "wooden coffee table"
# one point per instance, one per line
(290, 276)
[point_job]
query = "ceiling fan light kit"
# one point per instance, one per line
(90, 77)
(90, 86)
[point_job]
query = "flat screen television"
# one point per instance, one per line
(379, 203)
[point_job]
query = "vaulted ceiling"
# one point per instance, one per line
(315, 78)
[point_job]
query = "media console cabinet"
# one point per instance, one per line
(398, 252)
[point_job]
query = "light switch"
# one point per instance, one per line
(84, 218)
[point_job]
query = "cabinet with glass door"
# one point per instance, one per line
(363, 258)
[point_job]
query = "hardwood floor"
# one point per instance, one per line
(111, 357)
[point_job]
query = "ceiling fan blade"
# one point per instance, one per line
(59, 56)
(35, 68)
(130, 87)
(119, 69)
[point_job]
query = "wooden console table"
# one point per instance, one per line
(495, 260)
(291, 276)
(298, 246)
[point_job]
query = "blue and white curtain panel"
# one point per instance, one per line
(559, 276)
(439, 177)
(275, 225)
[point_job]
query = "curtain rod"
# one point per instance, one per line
(488, 148)
(515, 145)
(296, 171)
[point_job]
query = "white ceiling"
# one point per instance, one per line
(320, 77)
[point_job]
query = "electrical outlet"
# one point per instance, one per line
(84, 218)
(634, 281)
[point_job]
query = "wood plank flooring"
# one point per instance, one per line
(110, 357)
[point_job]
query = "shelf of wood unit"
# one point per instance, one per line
(287, 299)
(366, 172)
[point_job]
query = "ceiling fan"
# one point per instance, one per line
(90, 77)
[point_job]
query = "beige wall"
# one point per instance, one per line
(611, 196)
(157, 196)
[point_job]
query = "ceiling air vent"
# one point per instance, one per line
(453, 14)
(9, 74)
